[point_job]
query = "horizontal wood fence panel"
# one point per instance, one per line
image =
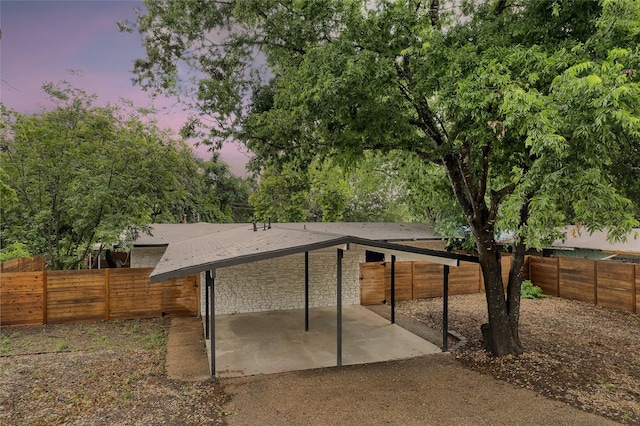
(180, 296)
(75, 296)
(427, 280)
(131, 294)
(24, 264)
(637, 288)
(605, 283)
(615, 285)
(403, 281)
(21, 283)
(465, 279)
(21, 298)
(505, 261)
(525, 270)
(577, 279)
(88, 311)
(544, 274)
(90, 295)
(372, 288)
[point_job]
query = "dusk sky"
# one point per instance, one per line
(43, 40)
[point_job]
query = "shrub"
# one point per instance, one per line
(530, 291)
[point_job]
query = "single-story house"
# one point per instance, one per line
(284, 266)
(579, 243)
(251, 287)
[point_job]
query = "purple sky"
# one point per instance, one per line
(42, 40)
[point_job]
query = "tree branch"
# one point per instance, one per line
(501, 5)
(434, 13)
(496, 199)
(484, 173)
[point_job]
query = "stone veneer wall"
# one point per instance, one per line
(278, 284)
(146, 257)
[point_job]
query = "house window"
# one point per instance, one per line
(374, 256)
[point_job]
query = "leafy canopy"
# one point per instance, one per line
(531, 101)
(372, 191)
(81, 174)
(529, 107)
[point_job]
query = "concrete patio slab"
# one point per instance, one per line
(275, 342)
(186, 355)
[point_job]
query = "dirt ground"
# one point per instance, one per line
(581, 354)
(102, 373)
(580, 360)
(427, 390)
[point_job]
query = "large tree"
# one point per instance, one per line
(374, 190)
(80, 174)
(523, 104)
(221, 196)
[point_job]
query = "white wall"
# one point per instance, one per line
(146, 257)
(278, 284)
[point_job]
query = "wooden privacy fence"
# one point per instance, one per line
(604, 283)
(24, 264)
(32, 298)
(420, 280)
(600, 282)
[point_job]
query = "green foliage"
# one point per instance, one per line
(554, 111)
(157, 340)
(521, 113)
(81, 174)
(372, 191)
(13, 250)
(214, 194)
(281, 196)
(530, 291)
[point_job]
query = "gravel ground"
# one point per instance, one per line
(584, 355)
(427, 390)
(114, 373)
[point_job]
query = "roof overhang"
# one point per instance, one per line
(230, 248)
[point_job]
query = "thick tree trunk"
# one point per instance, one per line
(513, 289)
(500, 336)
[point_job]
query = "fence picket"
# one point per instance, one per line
(32, 298)
(609, 284)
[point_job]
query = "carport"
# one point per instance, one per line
(240, 246)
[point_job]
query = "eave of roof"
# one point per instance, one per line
(235, 247)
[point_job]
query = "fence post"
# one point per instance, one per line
(558, 277)
(413, 280)
(595, 282)
(44, 296)
(106, 294)
(634, 289)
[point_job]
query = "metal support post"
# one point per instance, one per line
(212, 319)
(393, 289)
(306, 291)
(339, 303)
(445, 310)
(207, 289)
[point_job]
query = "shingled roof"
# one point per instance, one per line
(162, 234)
(241, 244)
(581, 239)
